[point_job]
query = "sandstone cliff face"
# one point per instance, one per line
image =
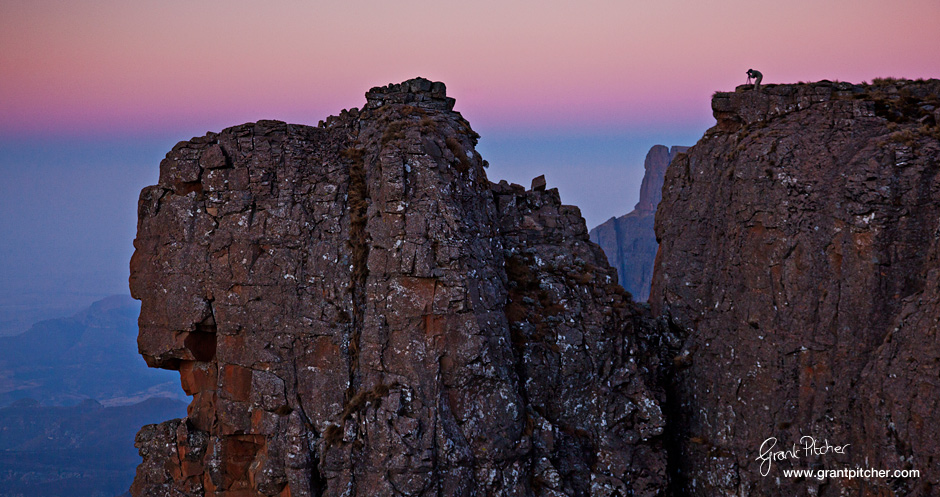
(629, 241)
(799, 254)
(356, 310)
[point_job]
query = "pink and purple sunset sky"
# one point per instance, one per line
(93, 92)
(119, 67)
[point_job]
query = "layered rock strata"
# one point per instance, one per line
(799, 257)
(629, 240)
(357, 310)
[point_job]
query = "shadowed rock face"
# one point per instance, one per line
(629, 240)
(356, 310)
(799, 255)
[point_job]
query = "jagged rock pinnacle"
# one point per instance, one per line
(418, 91)
(356, 310)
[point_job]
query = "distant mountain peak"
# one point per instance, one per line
(629, 241)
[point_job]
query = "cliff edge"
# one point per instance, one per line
(799, 259)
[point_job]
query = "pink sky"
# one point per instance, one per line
(138, 67)
(93, 92)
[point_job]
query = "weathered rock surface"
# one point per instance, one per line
(356, 310)
(629, 240)
(799, 254)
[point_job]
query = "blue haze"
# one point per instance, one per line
(68, 206)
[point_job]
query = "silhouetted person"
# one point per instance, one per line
(751, 73)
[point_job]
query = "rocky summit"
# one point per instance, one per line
(800, 260)
(356, 310)
(629, 240)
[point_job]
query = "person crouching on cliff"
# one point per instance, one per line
(751, 73)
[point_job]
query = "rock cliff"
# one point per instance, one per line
(629, 240)
(357, 310)
(799, 259)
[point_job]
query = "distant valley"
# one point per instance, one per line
(73, 392)
(91, 355)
